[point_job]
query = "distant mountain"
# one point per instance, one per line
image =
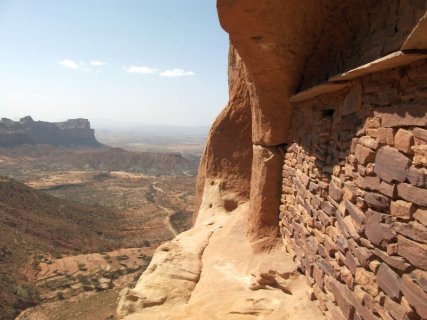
(73, 132)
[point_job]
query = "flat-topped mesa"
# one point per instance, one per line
(79, 123)
(73, 132)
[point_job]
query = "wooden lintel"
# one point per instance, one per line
(393, 60)
(323, 88)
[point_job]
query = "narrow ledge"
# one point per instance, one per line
(392, 60)
(326, 87)
(340, 81)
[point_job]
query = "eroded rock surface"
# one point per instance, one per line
(210, 272)
(228, 151)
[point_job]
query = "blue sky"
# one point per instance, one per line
(113, 61)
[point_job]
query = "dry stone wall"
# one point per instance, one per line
(354, 196)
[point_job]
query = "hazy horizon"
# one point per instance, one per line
(117, 63)
(109, 124)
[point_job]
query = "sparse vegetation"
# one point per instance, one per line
(147, 259)
(81, 266)
(33, 223)
(60, 295)
(84, 280)
(122, 258)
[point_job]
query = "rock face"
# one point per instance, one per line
(334, 168)
(228, 152)
(73, 132)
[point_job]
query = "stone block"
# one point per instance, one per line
(351, 262)
(373, 122)
(326, 266)
(370, 169)
(367, 281)
(361, 312)
(318, 276)
(327, 207)
(416, 297)
(357, 214)
(402, 115)
(379, 233)
(391, 165)
(374, 265)
(360, 181)
(414, 252)
(362, 254)
(396, 262)
(392, 248)
(403, 140)
(388, 189)
(395, 309)
(342, 300)
(334, 312)
(372, 182)
(373, 133)
(377, 201)
(330, 246)
(420, 154)
(335, 192)
(417, 177)
(412, 194)
(412, 230)
(420, 278)
(347, 277)
(420, 134)
(352, 101)
(421, 216)
(303, 178)
(350, 191)
(368, 142)
(385, 136)
(342, 243)
(325, 219)
(351, 228)
(389, 281)
(384, 315)
(402, 209)
(363, 154)
(313, 187)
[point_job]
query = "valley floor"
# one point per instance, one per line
(132, 213)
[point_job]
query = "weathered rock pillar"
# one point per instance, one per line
(265, 196)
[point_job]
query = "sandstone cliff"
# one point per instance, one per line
(316, 169)
(74, 132)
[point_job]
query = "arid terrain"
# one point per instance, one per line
(78, 225)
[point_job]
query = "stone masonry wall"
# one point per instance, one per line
(354, 196)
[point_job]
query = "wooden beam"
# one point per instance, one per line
(393, 60)
(323, 88)
(417, 40)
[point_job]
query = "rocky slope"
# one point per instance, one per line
(50, 158)
(74, 132)
(315, 170)
(33, 223)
